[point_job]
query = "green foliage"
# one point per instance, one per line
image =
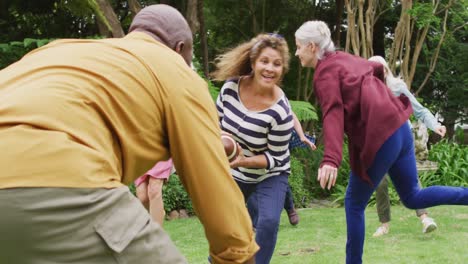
(14, 50)
(132, 188)
(446, 91)
(47, 19)
(214, 91)
(174, 195)
(452, 159)
(310, 161)
(422, 12)
(298, 184)
(459, 135)
(43, 19)
(304, 111)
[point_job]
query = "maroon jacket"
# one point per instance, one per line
(355, 100)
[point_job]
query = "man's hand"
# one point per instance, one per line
(328, 174)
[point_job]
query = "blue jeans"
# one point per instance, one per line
(265, 206)
(397, 157)
(289, 200)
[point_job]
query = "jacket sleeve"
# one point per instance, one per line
(198, 155)
(419, 111)
(327, 88)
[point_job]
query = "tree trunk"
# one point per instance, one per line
(352, 37)
(369, 26)
(263, 15)
(192, 16)
(203, 37)
(378, 40)
(134, 7)
(254, 18)
(109, 18)
(362, 31)
(339, 14)
(103, 29)
(299, 77)
(361, 15)
(400, 34)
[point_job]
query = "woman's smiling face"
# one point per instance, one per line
(268, 67)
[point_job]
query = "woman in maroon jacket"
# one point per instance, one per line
(354, 100)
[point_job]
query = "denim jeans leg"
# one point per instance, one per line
(289, 200)
(270, 195)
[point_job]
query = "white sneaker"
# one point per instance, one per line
(382, 230)
(429, 225)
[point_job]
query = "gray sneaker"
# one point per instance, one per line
(429, 225)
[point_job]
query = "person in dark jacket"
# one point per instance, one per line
(355, 101)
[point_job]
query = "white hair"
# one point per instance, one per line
(391, 81)
(316, 32)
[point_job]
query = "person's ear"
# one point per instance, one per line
(312, 46)
(179, 48)
(185, 51)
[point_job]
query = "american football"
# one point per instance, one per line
(230, 147)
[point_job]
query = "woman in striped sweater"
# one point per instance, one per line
(254, 109)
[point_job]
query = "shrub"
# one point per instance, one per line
(452, 159)
(310, 161)
(13, 51)
(301, 194)
(174, 195)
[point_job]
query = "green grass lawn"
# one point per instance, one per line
(320, 237)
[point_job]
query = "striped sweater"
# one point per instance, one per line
(264, 132)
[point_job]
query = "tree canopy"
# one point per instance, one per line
(424, 41)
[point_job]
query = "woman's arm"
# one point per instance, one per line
(300, 132)
(421, 112)
(254, 162)
(327, 88)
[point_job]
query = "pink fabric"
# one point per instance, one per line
(161, 170)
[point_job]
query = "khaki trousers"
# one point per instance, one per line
(67, 225)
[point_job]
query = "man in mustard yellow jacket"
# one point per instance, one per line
(81, 119)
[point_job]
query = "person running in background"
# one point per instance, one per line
(355, 101)
(149, 189)
(398, 87)
(298, 140)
